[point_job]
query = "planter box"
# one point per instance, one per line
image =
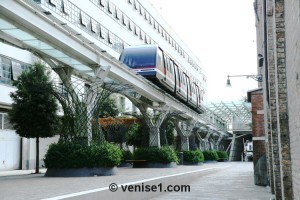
(81, 172)
(210, 161)
(154, 165)
(191, 163)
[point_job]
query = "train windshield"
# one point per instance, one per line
(139, 57)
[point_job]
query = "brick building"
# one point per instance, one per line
(278, 38)
(258, 137)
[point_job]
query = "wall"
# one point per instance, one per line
(292, 23)
(258, 137)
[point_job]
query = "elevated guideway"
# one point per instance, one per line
(40, 28)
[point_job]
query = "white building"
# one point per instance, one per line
(114, 24)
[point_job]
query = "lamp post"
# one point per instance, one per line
(258, 78)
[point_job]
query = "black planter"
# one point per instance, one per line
(81, 172)
(192, 163)
(154, 165)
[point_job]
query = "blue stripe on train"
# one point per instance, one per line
(148, 74)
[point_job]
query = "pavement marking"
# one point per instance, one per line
(130, 183)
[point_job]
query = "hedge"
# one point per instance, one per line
(69, 155)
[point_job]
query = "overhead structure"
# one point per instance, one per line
(231, 111)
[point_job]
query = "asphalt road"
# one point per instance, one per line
(228, 180)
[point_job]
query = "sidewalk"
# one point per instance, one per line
(229, 180)
(19, 172)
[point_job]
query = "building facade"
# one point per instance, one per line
(278, 30)
(114, 24)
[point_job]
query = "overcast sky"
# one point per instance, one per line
(222, 35)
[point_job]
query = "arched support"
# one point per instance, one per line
(184, 129)
(82, 101)
(219, 142)
(153, 122)
(232, 148)
(206, 140)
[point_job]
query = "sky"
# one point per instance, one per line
(222, 35)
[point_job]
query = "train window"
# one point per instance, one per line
(146, 15)
(159, 57)
(139, 57)
(171, 67)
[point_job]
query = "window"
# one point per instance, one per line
(102, 3)
(135, 5)
(93, 26)
(141, 35)
(150, 20)
(146, 15)
(103, 32)
(171, 67)
(109, 37)
(109, 7)
(123, 19)
(129, 25)
(1, 70)
(53, 3)
(6, 71)
(83, 18)
(136, 30)
(117, 13)
(4, 122)
(66, 7)
(16, 70)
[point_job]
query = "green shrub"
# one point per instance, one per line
(222, 155)
(193, 156)
(69, 155)
(127, 155)
(210, 155)
(162, 155)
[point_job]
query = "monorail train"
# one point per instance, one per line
(154, 64)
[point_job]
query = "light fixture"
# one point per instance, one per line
(257, 77)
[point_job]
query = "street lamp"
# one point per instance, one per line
(257, 77)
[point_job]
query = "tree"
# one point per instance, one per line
(34, 107)
(108, 108)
